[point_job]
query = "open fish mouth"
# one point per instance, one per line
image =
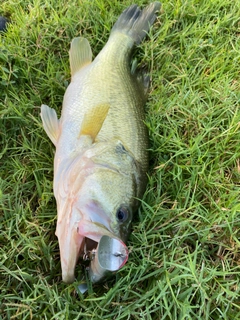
(109, 255)
(92, 243)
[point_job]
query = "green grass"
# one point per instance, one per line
(185, 249)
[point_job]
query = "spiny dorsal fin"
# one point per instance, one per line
(50, 122)
(93, 121)
(80, 54)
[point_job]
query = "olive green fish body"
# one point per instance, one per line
(101, 148)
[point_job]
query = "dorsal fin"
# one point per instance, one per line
(80, 54)
(93, 121)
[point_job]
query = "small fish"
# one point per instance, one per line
(101, 143)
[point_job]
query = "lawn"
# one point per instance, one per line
(184, 247)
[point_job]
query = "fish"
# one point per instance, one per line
(101, 140)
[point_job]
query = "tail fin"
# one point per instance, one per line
(135, 22)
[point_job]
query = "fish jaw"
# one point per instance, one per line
(70, 243)
(72, 233)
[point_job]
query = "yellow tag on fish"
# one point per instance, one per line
(93, 121)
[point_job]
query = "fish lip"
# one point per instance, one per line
(94, 230)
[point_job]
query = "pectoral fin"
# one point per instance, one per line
(80, 54)
(93, 121)
(50, 123)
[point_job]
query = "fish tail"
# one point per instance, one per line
(135, 22)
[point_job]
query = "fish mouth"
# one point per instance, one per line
(93, 245)
(105, 253)
(109, 255)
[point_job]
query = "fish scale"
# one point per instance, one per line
(127, 125)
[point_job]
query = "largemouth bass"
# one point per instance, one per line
(101, 144)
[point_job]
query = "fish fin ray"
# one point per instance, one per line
(93, 121)
(143, 79)
(136, 22)
(80, 54)
(50, 122)
(134, 66)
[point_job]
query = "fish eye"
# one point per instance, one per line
(122, 214)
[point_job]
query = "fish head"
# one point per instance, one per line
(110, 193)
(101, 203)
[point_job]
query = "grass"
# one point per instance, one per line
(185, 249)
